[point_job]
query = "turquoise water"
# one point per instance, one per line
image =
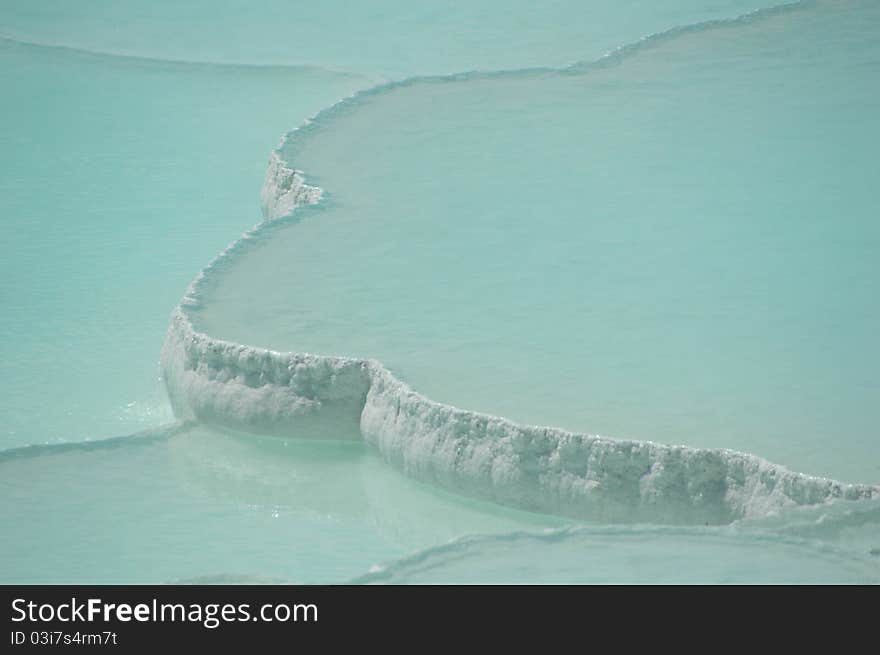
(673, 245)
(597, 555)
(389, 37)
(109, 191)
(192, 504)
(607, 251)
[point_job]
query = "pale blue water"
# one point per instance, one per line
(194, 503)
(391, 37)
(117, 173)
(677, 246)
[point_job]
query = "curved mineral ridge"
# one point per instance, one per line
(536, 468)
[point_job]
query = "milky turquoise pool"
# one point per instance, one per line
(673, 244)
